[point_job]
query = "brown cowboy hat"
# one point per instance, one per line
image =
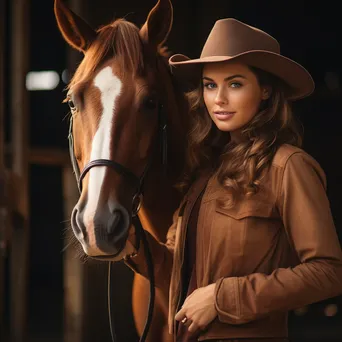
(232, 40)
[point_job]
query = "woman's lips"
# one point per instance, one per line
(223, 116)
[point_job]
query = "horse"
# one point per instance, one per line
(120, 97)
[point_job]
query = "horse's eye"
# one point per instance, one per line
(150, 103)
(71, 105)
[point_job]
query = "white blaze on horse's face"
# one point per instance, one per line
(110, 87)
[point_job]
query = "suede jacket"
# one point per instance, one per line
(270, 253)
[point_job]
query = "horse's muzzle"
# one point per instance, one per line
(103, 234)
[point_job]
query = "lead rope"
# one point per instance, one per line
(141, 234)
(109, 300)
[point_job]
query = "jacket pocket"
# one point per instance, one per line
(234, 241)
(248, 208)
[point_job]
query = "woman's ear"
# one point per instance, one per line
(266, 93)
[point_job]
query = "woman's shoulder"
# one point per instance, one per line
(288, 152)
(297, 160)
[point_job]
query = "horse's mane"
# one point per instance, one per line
(120, 40)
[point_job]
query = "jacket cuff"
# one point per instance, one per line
(227, 300)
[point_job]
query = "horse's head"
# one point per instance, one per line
(116, 98)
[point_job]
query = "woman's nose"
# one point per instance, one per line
(221, 98)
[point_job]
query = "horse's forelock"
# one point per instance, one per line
(119, 40)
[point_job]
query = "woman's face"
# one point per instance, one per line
(232, 95)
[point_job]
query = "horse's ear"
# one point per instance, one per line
(73, 28)
(158, 24)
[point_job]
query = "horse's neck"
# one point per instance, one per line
(161, 198)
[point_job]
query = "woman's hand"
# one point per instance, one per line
(198, 309)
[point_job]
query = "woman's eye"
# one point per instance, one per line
(150, 103)
(209, 85)
(71, 105)
(236, 85)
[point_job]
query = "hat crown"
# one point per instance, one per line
(230, 37)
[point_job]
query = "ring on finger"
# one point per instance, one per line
(184, 320)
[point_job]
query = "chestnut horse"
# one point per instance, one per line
(117, 96)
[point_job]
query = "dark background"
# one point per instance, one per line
(308, 33)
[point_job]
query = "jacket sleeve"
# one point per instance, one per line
(307, 219)
(162, 255)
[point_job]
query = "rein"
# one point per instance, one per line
(138, 183)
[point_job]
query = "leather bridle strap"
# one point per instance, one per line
(120, 169)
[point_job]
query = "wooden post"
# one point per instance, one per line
(73, 270)
(20, 143)
(2, 185)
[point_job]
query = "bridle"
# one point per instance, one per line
(138, 183)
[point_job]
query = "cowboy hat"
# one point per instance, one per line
(232, 40)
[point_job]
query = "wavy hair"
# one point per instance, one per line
(239, 167)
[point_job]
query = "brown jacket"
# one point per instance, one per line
(269, 254)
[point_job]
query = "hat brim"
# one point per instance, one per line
(293, 74)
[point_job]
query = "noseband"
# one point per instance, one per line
(137, 183)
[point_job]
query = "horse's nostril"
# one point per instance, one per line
(77, 225)
(114, 221)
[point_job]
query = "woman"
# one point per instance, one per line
(254, 236)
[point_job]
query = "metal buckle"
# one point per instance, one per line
(136, 204)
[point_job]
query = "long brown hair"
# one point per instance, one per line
(240, 167)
